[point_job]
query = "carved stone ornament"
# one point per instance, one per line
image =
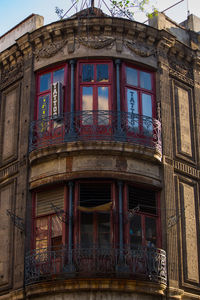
(96, 42)
(183, 68)
(181, 77)
(140, 49)
(50, 49)
(164, 46)
(11, 75)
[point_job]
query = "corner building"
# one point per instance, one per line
(99, 159)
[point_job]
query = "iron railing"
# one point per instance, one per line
(96, 125)
(141, 263)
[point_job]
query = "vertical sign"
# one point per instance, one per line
(56, 99)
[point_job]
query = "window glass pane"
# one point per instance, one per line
(135, 231)
(41, 237)
(45, 82)
(102, 72)
(41, 228)
(132, 101)
(150, 229)
(86, 230)
(58, 76)
(132, 106)
(87, 98)
(88, 73)
(146, 105)
(103, 119)
(43, 107)
(103, 98)
(103, 230)
(147, 111)
(131, 76)
(87, 105)
(56, 226)
(145, 80)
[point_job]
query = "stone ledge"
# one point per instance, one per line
(97, 284)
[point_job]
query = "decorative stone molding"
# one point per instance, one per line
(175, 293)
(164, 46)
(9, 171)
(140, 49)
(188, 170)
(11, 75)
(181, 69)
(50, 49)
(96, 42)
(180, 76)
(182, 167)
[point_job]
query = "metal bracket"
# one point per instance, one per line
(17, 221)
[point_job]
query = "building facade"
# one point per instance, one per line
(100, 159)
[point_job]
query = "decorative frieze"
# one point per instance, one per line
(9, 171)
(140, 49)
(182, 167)
(180, 76)
(11, 75)
(186, 169)
(50, 50)
(96, 42)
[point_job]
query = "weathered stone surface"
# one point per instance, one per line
(190, 233)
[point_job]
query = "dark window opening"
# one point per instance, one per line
(94, 194)
(145, 200)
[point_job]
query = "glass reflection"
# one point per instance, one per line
(103, 105)
(147, 111)
(145, 80)
(87, 104)
(135, 231)
(58, 76)
(86, 229)
(103, 230)
(131, 76)
(88, 73)
(150, 228)
(45, 82)
(102, 72)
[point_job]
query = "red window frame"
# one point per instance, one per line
(48, 91)
(77, 214)
(49, 217)
(95, 84)
(138, 88)
(114, 221)
(143, 216)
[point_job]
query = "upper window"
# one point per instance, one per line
(138, 99)
(95, 90)
(50, 93)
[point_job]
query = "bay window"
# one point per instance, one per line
(98, 106)
(95, 216)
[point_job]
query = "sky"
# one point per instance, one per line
(13, 12)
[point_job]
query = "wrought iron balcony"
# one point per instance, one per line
(96, 125)
(147, 264)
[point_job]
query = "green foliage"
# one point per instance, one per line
(129, 8)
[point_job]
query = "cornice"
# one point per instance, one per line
(97, 33)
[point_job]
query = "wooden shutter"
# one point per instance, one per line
(46, 199)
